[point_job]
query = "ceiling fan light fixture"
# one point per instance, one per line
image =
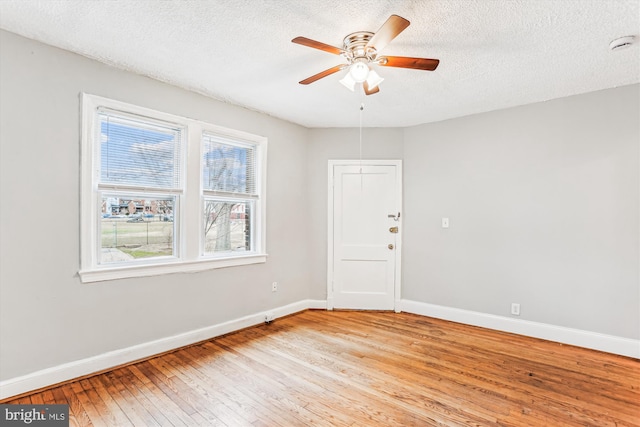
(373, 80)
(360, 49)
(359, 71)
(348, 82)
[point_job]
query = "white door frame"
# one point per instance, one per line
(398, 270)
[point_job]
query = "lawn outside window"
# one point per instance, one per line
(162, 193)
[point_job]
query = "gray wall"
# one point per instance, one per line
(543, 202)
(47, 317)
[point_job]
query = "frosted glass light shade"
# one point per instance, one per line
(374, 79)
(359, 71)
(348, 82)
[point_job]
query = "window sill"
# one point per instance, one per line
(130, 271)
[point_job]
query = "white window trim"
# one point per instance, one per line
(190, 258)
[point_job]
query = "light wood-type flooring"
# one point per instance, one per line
(344, 368)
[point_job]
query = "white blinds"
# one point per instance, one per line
(228, 166)
(139, 152)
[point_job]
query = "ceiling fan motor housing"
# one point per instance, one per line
(355, 46)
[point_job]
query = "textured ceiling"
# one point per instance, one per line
(493, 53)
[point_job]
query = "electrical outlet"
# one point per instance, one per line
(515, 309)
(274, 287)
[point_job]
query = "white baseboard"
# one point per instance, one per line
(102, 362)
(317, 304)
(593, 340)
(83, 367)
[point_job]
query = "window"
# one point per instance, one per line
(162, 193)
(228, 180)
(139, 186)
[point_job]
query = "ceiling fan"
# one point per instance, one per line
(361, 51)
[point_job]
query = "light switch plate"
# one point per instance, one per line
(445, 222)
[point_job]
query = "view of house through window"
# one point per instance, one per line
(134, 228)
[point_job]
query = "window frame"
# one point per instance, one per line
(189, 229)
(221, 196)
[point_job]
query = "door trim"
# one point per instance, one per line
(397, 294)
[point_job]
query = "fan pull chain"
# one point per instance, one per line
(361, 109)
(360, 150)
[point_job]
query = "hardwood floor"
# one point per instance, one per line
(361, 369)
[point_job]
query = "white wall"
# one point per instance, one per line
(47, 317)
(543, 202)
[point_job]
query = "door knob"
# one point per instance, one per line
(390, 246)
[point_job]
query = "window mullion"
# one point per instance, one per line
(230, 196)
(132, 188)
(192, 206)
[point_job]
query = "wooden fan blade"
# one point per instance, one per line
(317, 45)
(407, 62)
(365, 86)
(322, 74)
(389, 31)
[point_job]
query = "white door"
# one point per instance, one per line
(364, 249)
